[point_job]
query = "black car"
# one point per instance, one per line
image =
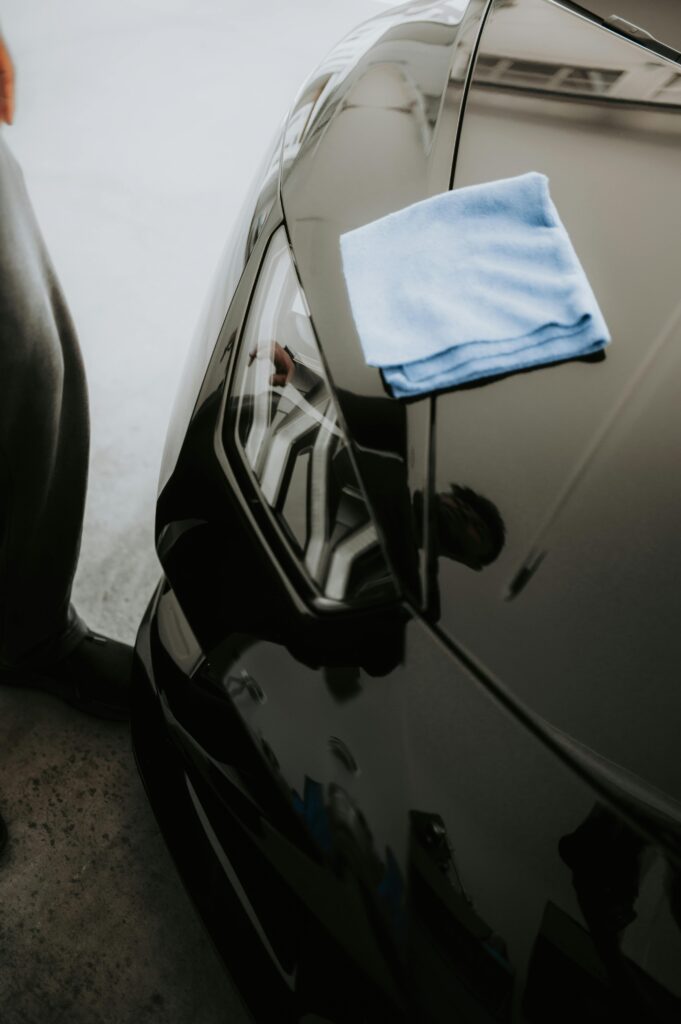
(407, 696)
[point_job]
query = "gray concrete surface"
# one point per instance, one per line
(95, 927)
(138, 124)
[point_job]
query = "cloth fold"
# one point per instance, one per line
(472, 283)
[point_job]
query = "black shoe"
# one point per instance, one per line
(3, 834)
(94, 677)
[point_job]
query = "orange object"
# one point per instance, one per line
(6, 84)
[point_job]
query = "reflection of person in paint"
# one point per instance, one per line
(609, 861)
(470, 529)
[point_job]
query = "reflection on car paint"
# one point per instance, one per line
(477, 864)
(581, 460)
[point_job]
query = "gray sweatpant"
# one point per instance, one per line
(44, 440)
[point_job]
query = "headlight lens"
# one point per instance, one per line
(282, 420)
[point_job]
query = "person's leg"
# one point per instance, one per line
(44, 441)
(44, 444)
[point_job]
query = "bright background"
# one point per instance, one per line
(139, 124)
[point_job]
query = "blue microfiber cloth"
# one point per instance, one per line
(472, 283)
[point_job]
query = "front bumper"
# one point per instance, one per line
(174, 789)
(286, 966)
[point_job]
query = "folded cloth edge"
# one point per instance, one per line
(478, 368)
(581, 297)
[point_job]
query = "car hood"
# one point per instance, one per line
(576, 620)
(577, 617)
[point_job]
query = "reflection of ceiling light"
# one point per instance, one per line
(529, 74)
(671, 91)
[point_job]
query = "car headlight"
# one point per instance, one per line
(282, 421)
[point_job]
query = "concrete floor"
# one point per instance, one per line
(138, 125)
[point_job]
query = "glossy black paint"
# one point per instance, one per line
(461, 804)
(582, 460)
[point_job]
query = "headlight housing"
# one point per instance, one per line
(282, 423)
